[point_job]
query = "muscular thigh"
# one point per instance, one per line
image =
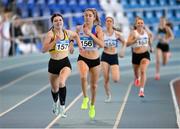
(83, 68)
(54, 79)
(158, 53)
(94, 74)
(105, 68)
(144, 64)
(115, 72)
(64, 73)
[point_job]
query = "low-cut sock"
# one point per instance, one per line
(142, 89)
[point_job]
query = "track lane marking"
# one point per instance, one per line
(122, 106)
(24, 100)
(68, 107)
(176, 107)
(118, 118)
(2, 87)
(29, 97)
(22, 64)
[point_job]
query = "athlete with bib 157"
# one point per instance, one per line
(57, 43)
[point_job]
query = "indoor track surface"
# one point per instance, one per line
(26, 102)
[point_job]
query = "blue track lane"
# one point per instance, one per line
(21, 107)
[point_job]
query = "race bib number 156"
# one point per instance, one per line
(87, 43)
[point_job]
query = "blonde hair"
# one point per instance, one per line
(136, 19)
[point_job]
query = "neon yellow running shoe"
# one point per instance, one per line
(92, 112)
(84, 104)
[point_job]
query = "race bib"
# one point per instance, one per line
(87, 43)
(110, 43)
(62, 45)
(141, 42)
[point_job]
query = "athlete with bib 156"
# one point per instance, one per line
(91, 36)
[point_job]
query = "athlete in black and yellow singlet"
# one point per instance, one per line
(56, 42)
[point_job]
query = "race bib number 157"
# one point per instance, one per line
(62, 46)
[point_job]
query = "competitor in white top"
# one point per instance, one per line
(109, 58)
(140, 40)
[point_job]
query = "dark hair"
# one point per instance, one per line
(110, 18)
(169, 24)
(55, 15)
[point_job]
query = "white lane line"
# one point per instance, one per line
(118, 118)
(40, 60)
(28, 98)
(177, 111)
(21, 78)
(123, 61)
(119, 115)
(68, 107)
(22, 64)
(121, 109)
(24, 100)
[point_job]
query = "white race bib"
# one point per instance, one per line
(62, 45)
(110, 43)
(87, 43)
(143, 42)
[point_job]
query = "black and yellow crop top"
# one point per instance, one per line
(60, 45)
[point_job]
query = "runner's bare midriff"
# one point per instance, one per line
(58, 55)
(90, 54)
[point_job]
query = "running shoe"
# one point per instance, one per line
(157, 76)
(62, 111)
(137, 82)
(92, 112)
(84, 104)
(56, 108)
(141, 94)
(108, 99)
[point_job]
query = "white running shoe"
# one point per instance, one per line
(108, 99)
(56, 108)
(62, 111)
